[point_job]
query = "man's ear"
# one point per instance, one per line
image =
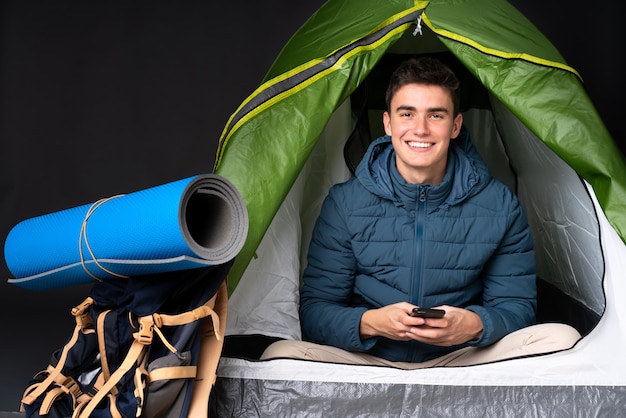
(456, 126)
(387, 123)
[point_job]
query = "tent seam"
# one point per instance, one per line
(405, 19)
(495, 52)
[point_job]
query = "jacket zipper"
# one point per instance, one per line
(416, 295)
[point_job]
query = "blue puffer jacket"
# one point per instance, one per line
(379, 240)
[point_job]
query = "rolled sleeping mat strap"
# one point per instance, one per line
(196, 222)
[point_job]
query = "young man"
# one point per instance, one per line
(424, 224)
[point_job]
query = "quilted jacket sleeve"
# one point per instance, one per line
(325, 313)
(510, 293)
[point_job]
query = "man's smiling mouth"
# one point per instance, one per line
(420, 144)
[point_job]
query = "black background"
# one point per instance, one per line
(101, 98)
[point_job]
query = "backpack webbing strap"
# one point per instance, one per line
(140, 387)
(104, 361)
(134, 353)
(200, 312)
(115, 413)
(83, 319)
(67, 386)
(113, 410)
(174, 372)
(157, 321)
(52, 396)
(211, 344)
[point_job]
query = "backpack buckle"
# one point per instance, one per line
(144, 335)
(72, 387)
(81, 313)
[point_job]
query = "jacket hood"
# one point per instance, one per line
(466, 173)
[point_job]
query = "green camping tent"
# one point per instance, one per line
(306, 126)
(268, 139)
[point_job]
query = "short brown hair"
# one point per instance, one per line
(424, 70)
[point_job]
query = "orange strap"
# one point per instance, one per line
(135, 351)
(210, 352)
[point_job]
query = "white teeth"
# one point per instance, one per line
(420, 144)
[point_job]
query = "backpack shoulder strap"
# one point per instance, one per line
(136, 350)
(213, 329)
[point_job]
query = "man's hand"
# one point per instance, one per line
(394, 322)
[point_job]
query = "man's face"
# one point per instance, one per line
(421, 122)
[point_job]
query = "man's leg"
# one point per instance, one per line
(310, 351)
(536, 339)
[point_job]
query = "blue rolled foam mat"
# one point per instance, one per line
(195, 222)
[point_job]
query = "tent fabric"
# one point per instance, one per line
(561, 213)
(194, 222)
(267, 302)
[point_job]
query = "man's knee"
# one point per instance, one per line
(284, 349)
(552, 336)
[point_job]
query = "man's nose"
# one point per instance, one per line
(420, 126)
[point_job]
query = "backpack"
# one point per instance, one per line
(145, 346)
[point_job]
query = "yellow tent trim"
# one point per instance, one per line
(311, 80)
(495, 52)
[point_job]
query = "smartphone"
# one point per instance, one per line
(428, 313)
